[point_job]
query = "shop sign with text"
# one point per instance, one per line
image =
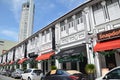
(107, 35)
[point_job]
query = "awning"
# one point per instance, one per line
(75, 50)
(45, 56)
(22, 60)
(114, 44)
(11, 62)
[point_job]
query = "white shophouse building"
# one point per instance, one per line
(72, 41)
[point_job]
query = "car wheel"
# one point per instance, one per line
(21, 78)
(41, 79)
(29, 78)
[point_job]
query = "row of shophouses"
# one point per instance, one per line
(89, 34)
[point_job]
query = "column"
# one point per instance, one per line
(97, 64)
(74, 20)
(103, 3)
(20, 66)
(66, 26)
(28, 65)
(14, 66)
(88, 34)
(39, 66)
(58, 65)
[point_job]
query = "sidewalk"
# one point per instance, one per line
(2, 77)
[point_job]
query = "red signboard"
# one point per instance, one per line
(107, 35)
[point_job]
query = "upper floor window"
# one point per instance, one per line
(97, 6)
(62, 28)
(108, 2)
(79, 18)
(47, 31)
(27, 5)
(70, 22)
(48, 35)
(43, 37)
(62, 25)
(32, 41)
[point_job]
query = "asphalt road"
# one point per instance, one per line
(7, 78)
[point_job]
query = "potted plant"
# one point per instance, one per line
(90, 70)
(53, 67)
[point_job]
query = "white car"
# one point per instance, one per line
(113, 74)
(32, 74)
(17, 73)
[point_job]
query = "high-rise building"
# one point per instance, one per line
(26, 22)
(6, 45)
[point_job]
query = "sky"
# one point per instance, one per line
(46, 11)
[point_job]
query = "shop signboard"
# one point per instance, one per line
(108, 35)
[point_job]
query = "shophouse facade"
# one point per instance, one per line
(72, 41)
(106, 26)
(73, 51)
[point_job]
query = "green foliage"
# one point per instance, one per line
(53, 67)
(108, 53)
(90, 68)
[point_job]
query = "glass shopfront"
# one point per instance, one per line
(110, 59)
(108, 47)
(74, 58)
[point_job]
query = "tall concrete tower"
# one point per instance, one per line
(26, 21)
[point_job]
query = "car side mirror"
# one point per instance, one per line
(106, 77)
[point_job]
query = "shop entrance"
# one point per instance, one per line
(74, 65)
(45, 66)
(110, 61)
(69, 65)
(82, 65)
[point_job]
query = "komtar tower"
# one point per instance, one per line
(26, 21)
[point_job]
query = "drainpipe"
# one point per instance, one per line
(88, 35)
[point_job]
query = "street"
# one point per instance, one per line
(7, 78)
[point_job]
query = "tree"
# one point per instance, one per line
(90, 70)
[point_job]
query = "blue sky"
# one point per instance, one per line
(46, 11)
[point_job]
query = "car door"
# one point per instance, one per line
(47, 76)
(37, 74)
(26, 74)
(113, 75)
(58, 75)
(50, 75)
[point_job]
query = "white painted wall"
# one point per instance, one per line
(4, 58)
(17, 53)
(99, 16)
(10, 55)
(114, 11)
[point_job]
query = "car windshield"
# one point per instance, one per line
(73, 72)
(37, 72)
(62, 72)
(17, 70)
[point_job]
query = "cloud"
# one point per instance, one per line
(10, 34)
(16, 6)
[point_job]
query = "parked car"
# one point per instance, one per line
(17, 73)
(60, 74)
(9, 72)
(113, 74)
(32, 74)
(3, 72)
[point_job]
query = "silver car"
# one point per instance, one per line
(17, 73)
